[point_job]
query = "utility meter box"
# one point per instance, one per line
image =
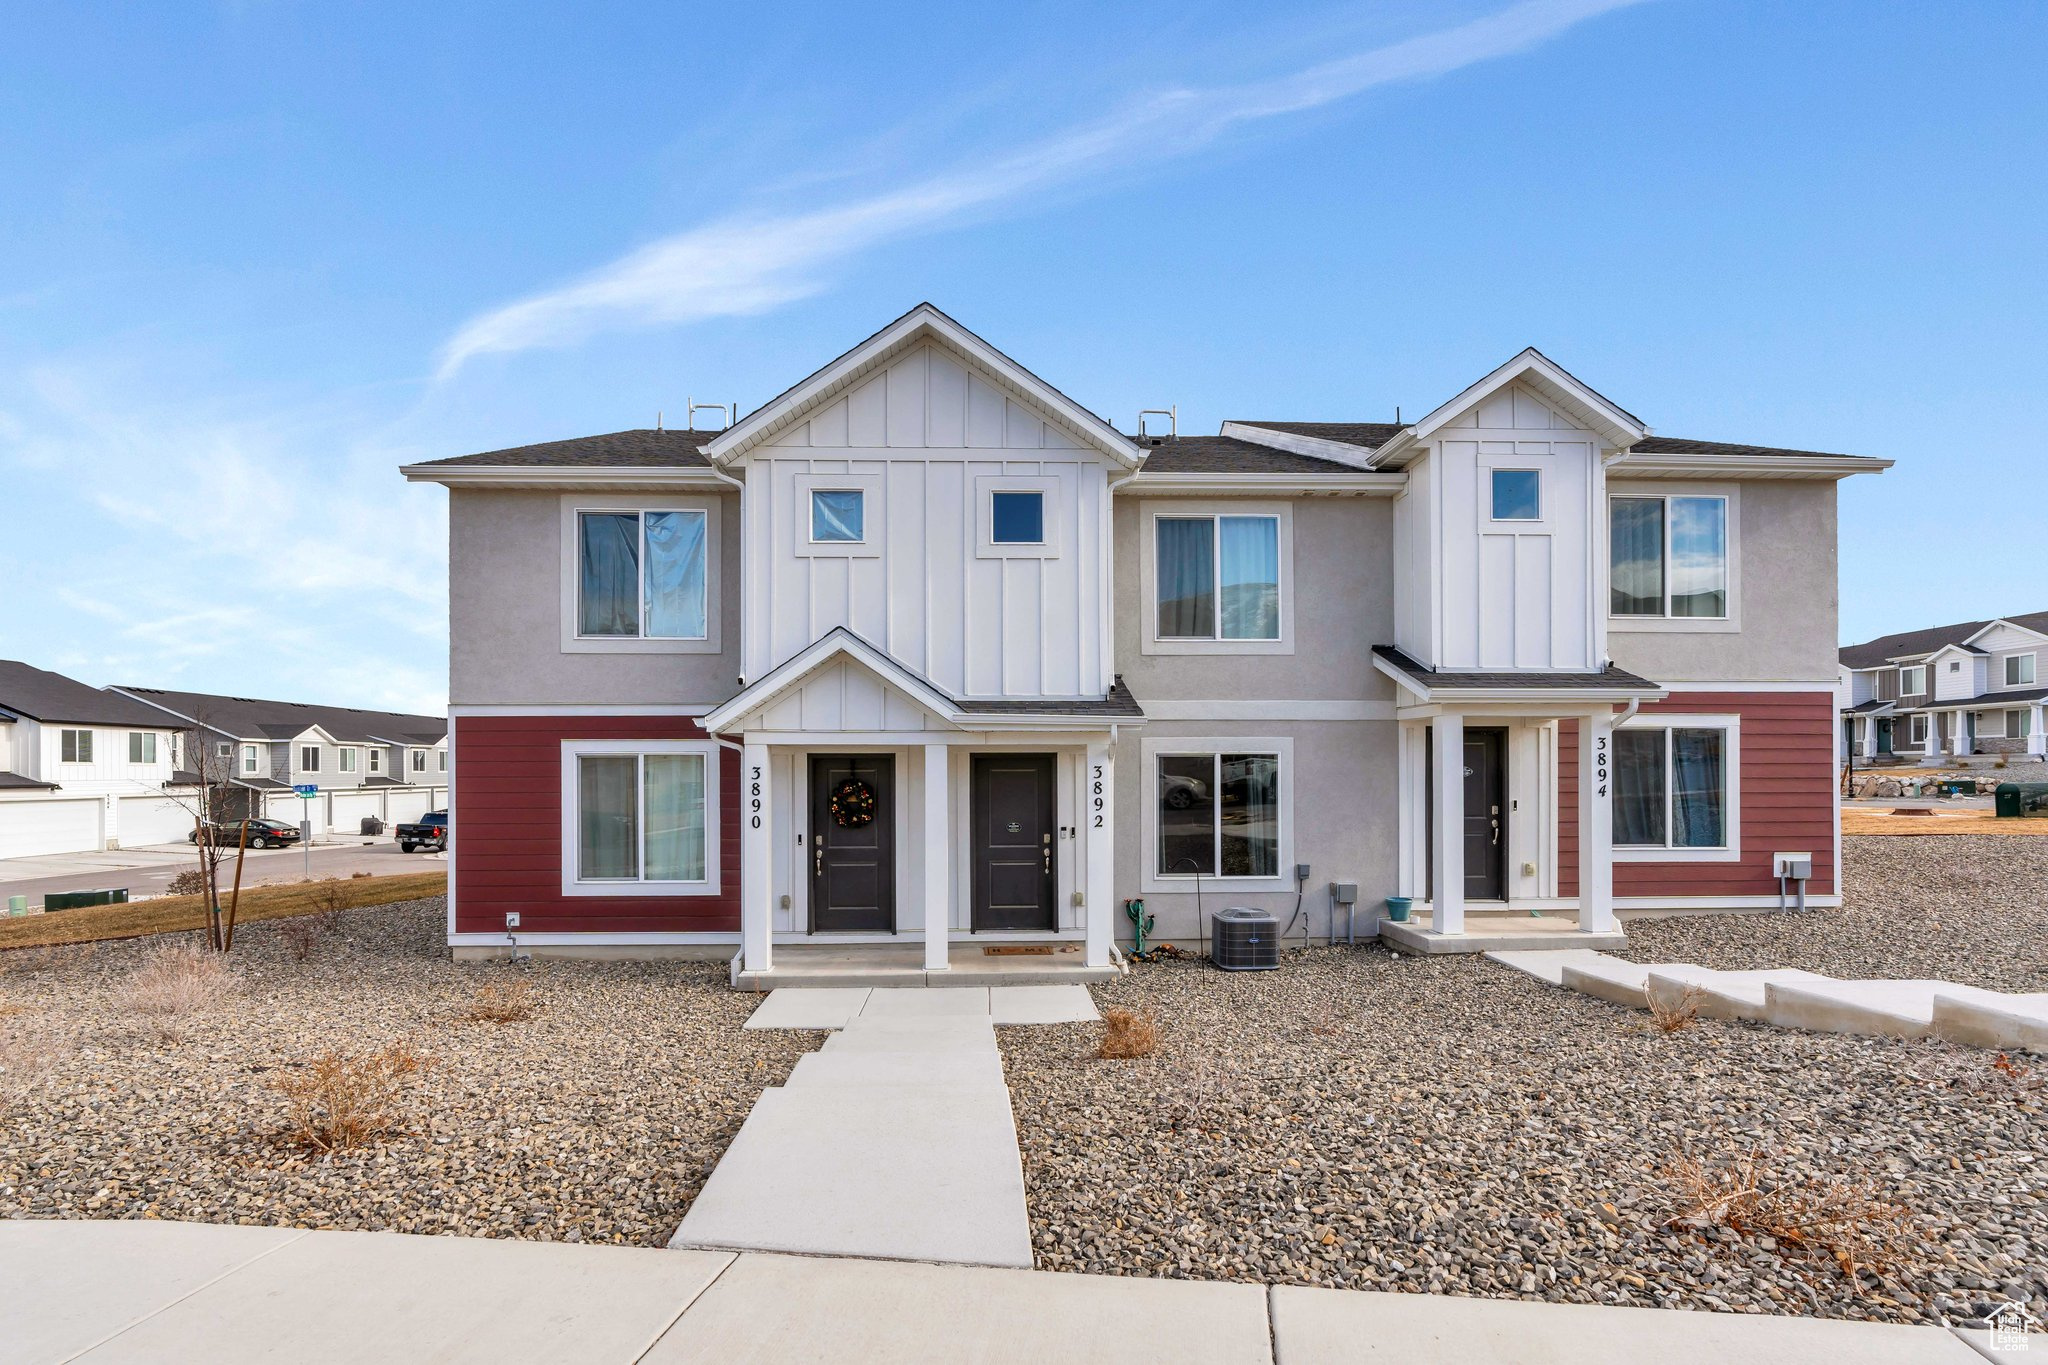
(1796, 866)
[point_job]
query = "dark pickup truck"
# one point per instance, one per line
(430, 831)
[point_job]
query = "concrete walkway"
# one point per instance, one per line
(893, 1140)
(181, 1292)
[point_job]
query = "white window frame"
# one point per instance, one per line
(2007, 672)
(873, 509)
(143, 741)
(1149, 513)
(986, 546)
(249, 760)
(223, 749)
(1924, 689)
(311, 751)
(714, 813)
(441, 760)
(573, 505)
(376, 763)
(79, 746)
(1493, 471)
(1731, 496)
(1212, 747)
(1731, 807)
(2019, 723)
(419, 760)
(345, 760)
(1916, 728)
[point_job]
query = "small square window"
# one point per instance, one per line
(1017, 518)
(1517, 495)
(838, 516)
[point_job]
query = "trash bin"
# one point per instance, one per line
(372, 825)
(2021, 798)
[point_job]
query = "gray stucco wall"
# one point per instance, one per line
(504, 615)
(1343, 606)
(1786, 544)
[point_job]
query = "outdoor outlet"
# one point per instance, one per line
(1528, 869)
(511, 919)
(1301, 872)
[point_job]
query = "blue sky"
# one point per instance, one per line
(254, 256)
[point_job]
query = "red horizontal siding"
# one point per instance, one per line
(508, 837)
(1787, 786)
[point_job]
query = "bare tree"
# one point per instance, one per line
(209, 796)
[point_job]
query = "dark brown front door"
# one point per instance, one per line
(853, 849)
(1015, 846)
(1486, 815)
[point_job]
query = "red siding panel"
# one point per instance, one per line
(1787, 785)
(508, 838)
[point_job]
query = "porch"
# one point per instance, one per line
(1493, 931)
(903, 964)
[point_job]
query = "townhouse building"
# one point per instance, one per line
(1975, 687)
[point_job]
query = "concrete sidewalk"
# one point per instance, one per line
(177, 1292)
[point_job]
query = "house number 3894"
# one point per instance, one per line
(1095, 791)
(1600, 764)
(754, 797)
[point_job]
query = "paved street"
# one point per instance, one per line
(146, 871)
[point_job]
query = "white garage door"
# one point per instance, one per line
(288, 808)
(408, 806)
(351, 807)
(152, 820)
(49, 824)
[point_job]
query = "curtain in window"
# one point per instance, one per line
(607, 816)
(674, 806)
(610, 565)
(1250, 558)
(1636, 547)
(1638, 787)
(675, 575)
(1187, 815)
(1186, 571)
(1699, 557)
(1250, 815)
(1697, 789)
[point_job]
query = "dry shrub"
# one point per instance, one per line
(174, 981)
(1844, 1221)
(337, 1100)
(330, 896)
(1675, 1014)
(1126, 1033)
(358, 876)
(190, 882)
(501, 1004)
(299, 934)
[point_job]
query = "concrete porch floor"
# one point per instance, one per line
(1499, 931)
(902, 964)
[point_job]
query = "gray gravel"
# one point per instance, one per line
(597, 1119)
(1372, 1122)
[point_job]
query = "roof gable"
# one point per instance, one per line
(1557, 389)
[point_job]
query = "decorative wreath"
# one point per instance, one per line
(853, 804)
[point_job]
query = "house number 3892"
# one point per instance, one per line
(1095, 791)
(754, 797)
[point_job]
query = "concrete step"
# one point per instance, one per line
(819, 1069)
(1724, 995)
(1613, 979)
(1989, 1019)
(958, 1033)
(1882, 1009)
(1545, 965)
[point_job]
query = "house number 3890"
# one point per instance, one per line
(1095, 791)
(754, 797)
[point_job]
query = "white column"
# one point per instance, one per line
(757, 898)
(1596, 823)
(1098, 820)
(2037, 730)
(1447, 895)
(1931, 746)
(1866, 736)
(938, 858)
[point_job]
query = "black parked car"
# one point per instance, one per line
(262, 833)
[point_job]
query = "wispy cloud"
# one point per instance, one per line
(750, 264)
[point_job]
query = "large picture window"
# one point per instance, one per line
(1218, 815)
(1672, 787)
(641, 575)
(1217, 578)
(639, 817)
(1669, 556)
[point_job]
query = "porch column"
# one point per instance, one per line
(2037, 730)
(1098, 818)
(1596, 823)
(1447, 895)
(938, 858)
(757, 900)
(1866, 736)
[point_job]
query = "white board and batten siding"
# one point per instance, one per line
(1502, 595)
(926, 440)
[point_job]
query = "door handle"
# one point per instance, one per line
(1496, 834)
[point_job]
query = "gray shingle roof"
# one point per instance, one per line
(1366, 435)
(45, 696)
(1912, 643)
(1610, 679)
(1119, 702)
(15, 781)
(254, 719)
(1228, 455)
(641, 449)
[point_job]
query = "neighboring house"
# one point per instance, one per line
(365, 763)
(82, 769)
(1978, 687)
(923, 652)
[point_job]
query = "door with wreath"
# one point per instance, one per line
(853, 844)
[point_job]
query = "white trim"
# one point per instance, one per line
(1237, 709)
(1155, 747)
(1541, 523)
(572, 507)
(1149, 513)
(1315, 447)
(1697, 465)
(1730, 621)
(499, 939)
(1627, 903)
(578, 709)
(1990, 626)
(1047, 486)
(1589, 410)
(1164, 484)
(1731, 806)
(565, 476)
(873, 508)
(1737, 685)
(572, 749)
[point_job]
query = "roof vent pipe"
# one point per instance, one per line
(1172, 416)
(725, 414)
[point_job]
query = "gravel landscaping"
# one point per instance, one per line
(1369, 1121)
(596, 1119)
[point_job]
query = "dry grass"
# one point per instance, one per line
(1679, 1013)
(1126, 1033)
(29, 1051)
(174, 982)
(338, 1101)
(501, 1004)
(175, 914)
(1847, 1222)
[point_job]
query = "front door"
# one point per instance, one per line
(853, 844)
(1015, 845)
(1486, 816)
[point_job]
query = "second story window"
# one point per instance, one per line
(309, 758)
(1517, 495)
(1669, 557)
(443, 757)
(641, 575)
(376, 760)
(2019, 670)
(1913, 681)
(1017, 518)
(838, 516)
(141, 747)
(75, 746)
(249, 759)
(1218, 578)
(419, 760)
(346, 760)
